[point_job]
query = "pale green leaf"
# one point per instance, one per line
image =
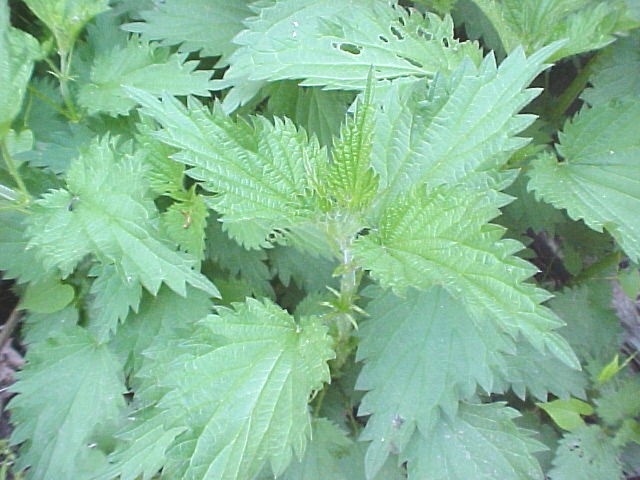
(185, 221)
(442, 238)
(463, 123)
(18, 50)
(616, 73)
(335, 44)
(567, 414)
(105, 212)
(47, 296)
(241, 386)
(585, 24)
(588, 454)
(481, 442)
(140, 65)
(320, 112)
(598, 180)
(257, 169)
(422, 355)
(66, 18)
(194, 25)
(110, 301)
(69, 387)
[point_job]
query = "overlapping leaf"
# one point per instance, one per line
(422, 355)
(480, 442)
(334, 44)
(464, 122)
(586, 24)
(194, 25)
(69, 387)
(105, 213)
(241, 386)
(258, 169)
(442, 237)
(598, 180)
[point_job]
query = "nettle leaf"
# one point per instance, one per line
(47, 296)
(194, 25)
(334, 44)
(66, 18)
(422, 355)
(111, 297)
(18, 51)
(619, 400)
(586, 453)
(257, 169)
(599, 179)
(442, 238)
(312, 273)
(165, 176)
(141, 65)
(464, 123)
(320, 112)
(16, 261)
(586, 24)
(616, 73)
(185, 222)
(241, 386)
(480, 442)
(69, 387)
(105, 212)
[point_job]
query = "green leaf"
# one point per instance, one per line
(592, 329)
(619, 400)
(335, 44)
(185, 221)
(422, 355)
(585, 24)
(630, 281)
(141, 65)
(442, 238)
(320, 112)
(587, 453)
(256, 169)
(252, 362)
(18, 50)
(312, 273)
(105, 212)
(599, 179)
(111, 298)
(166, 176)
(481, 442)
(47, 296)
(69, 387)
(616, 73)
(66, 18)
(463, 123)
(194, 25)
(16, 261)
(567, 414)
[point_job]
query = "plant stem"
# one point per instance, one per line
(13, 170)
(64, 77)
(9, 327)
(605, 264)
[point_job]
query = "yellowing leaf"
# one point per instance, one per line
(567, 413)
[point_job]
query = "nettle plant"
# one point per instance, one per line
(287, 238)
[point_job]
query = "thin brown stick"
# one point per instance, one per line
(9, 327)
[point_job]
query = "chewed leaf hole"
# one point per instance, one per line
(413, 62)
(383, 38)
(396, 33)
(349, 48)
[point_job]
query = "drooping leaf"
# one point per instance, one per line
(243, 396)
(422, 354)
(598, 180)
(442, 237)
(141, 65)
(111, 298)
(257, 169)
(18, 50)
(585, 24)
(70, 386)
(194, 25)
(105, 212)
(66, 18)
(567, 414)
(616, 73)
(481, 442)
(334, 44)
(320, 112)
(586, 453)
(463, 123)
